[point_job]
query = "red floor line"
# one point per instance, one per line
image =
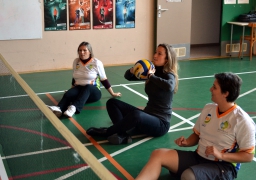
(17, 110)
(38, 133)
(100, 148)
(47, 172)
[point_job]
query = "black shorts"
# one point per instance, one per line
(203, 168)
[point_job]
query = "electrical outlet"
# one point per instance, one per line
(236, 47)
(180, 52)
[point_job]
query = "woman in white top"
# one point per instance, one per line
(224, 135)
(88, 73)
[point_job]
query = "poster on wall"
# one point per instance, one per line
(102, 14)
(55, 15)
(79, 14)
(125, 14)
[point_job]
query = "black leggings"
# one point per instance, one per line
(126, 117)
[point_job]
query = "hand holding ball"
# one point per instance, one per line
(141, 68)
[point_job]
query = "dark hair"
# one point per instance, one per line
(229, 82)
(88, 45)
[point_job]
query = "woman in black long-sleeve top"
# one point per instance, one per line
(154, 120)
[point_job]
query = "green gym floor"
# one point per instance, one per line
(27, 161)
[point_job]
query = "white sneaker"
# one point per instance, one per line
(56, 110)
(70, 111)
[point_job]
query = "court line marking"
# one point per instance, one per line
(128, 147)
(3, 173)
(144, 96)
(175, 114)
(46, 151)
(112, 154)
(196, 77)
(105, 141)
(94, 142)
(248, 92)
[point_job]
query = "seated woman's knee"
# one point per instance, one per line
(110, 101)
(157, 153)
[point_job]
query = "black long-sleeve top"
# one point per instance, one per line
(160, 90)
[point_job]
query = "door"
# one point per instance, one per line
(174, 24)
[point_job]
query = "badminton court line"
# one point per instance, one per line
(141, 95)
(96, 145)
(3, 173)
(125, 149)
(176, 125)
(114, 154)
(248, 92)
(197, 77)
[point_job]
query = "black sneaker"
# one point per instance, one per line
(97, 131)
(120, 139)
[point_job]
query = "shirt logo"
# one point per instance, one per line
(208, 118)
(77, 66)
(225, 125)
(90, 66)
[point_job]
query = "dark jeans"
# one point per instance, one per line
(78, 96)
(126, 117)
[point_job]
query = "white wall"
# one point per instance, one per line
(57, 49)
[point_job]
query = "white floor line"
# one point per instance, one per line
(183, 122)
(145, 97)
(68, 175)
(131, 146)
(3, 174)
(181, 129)
(104, 158)
(253, 117)
(199, 77)
(47, 151)
(147, 138)
(141, 95)
(248, 92)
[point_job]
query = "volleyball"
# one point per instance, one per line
(141, 67)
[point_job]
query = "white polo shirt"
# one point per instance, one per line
(231, 131)
(90, 73)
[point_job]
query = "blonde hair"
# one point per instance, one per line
(172, 64)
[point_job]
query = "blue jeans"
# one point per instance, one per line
(126, 117)
(78, 96)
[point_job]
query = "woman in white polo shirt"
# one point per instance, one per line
(224, 134)
(88, 73)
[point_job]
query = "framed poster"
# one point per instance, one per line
(55, 15)
(102, 14)
(79, 14)
(125, 14)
